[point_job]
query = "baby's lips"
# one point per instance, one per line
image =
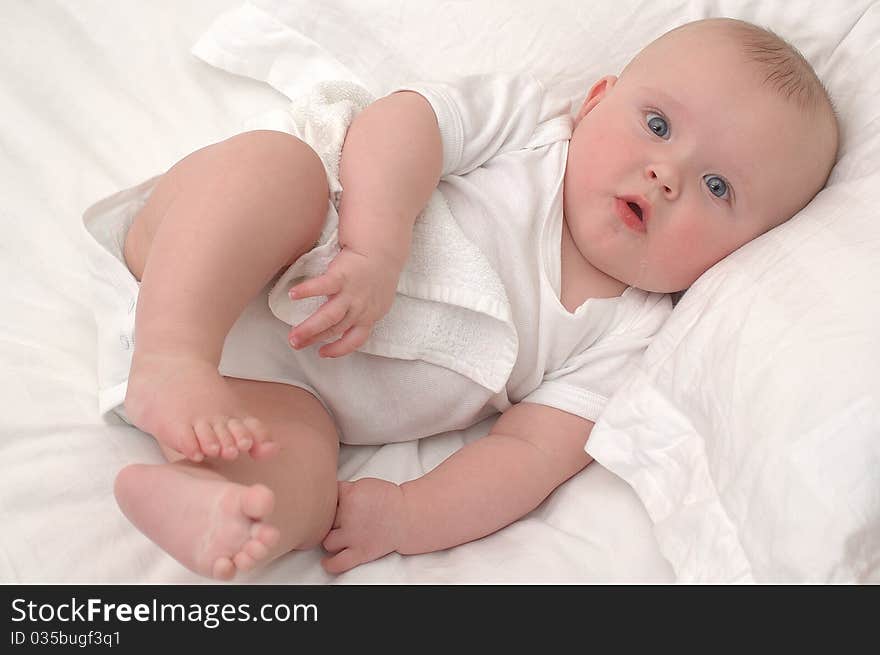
(643, 204)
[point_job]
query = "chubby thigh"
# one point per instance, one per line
(373, 400)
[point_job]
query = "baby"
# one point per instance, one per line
(713, 134)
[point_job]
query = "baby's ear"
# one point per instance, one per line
(597, 92)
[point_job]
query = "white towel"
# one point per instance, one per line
(451, 308)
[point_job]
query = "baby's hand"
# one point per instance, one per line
(360, 290)
(369, 524)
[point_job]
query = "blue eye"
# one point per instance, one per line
(657, 124)
(716, 185)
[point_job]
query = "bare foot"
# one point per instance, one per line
(210, 525)
(186, 404)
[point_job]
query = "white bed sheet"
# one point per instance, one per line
(95, 96)
(750, 431)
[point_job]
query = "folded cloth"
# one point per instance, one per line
(451, 308)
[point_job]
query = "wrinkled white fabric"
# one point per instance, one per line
(97, 97)
(461, 341)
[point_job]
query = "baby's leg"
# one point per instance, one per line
(222, 516)
(216, 229)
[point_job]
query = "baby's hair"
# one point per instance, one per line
(787, 70)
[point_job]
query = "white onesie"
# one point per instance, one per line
(504, 151)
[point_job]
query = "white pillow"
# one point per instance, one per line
(751, 432)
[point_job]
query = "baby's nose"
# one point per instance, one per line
(665, 177)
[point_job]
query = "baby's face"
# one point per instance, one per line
(684, 159)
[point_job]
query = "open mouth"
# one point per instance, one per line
(636, 210)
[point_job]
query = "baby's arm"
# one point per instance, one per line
(390, 165)
(486, 485)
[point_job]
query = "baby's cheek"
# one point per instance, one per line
(686, 255)
(604, 147)
(616, 153)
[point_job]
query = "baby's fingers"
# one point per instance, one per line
(329, 314)
(323, 285)
(343, 561)
(334, 541)
(350, 341)
(336, 331)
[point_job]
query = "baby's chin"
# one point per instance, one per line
(656, 284)
(654, 275)
(654, 289)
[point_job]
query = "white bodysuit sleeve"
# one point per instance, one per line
(482, 116)
(586, 381)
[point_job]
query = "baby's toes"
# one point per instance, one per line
(182, 438)
(224, 569)
(241, 435)
(268, 535)
(256, 549)
(228, 449)
(243, 561)
(255, 426)
(263, 445)
(264, 450)
(257, 502)
(207, 438)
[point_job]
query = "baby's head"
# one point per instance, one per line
(713, 134)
